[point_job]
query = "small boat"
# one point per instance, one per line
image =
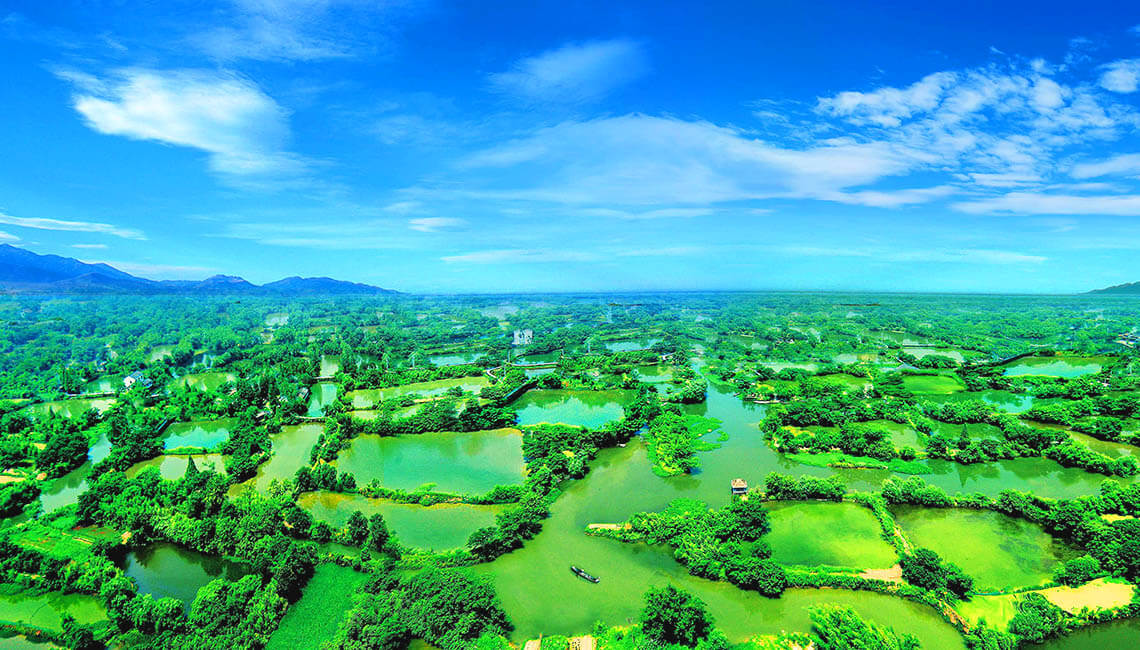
(583, 575)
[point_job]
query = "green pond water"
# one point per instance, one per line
(631, 345)
(330, 365)
(160, 352)
(1104, 636)
(44, 611)
(69, 408)
(66, 489)
(832, 534)
(655, 373)
(999, 552)
(590, 409)
(1000, 399)
(783, 365)
(541, 595)
(206, 434)
(103, 385)
(170, 571)
(455, 358)
(291, 447)
(1067, 367)
(440, 527)
(460, 463)
(172, 467)
(24, 643)
(921, 352)
(321, 396)
(541, 357)
(206, 381)
(366, 398)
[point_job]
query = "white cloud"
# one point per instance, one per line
(520, 256)
(649, 160)
(573, 73)
(667, 251)
(663, 213)
(434, 224)
(964, 256)
(1127, 205)
(7, 237)
(290, 30)
(40, 223)
(159, 271)
(241, 128)
(89, 246)
(1121, 164)
(1121, 76)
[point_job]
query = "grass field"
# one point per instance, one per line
(1102, 593)
(933, 384)
(315, 618)
(831, 534)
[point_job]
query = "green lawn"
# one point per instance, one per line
(933, 384)
(315, 618)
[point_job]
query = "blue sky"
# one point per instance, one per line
(458, 147)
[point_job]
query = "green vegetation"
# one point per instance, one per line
(386, 469)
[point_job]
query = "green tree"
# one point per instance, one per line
(674, 616)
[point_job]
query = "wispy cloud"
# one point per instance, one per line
(1128, 163)
(41, 223)
(89, 246)
(434, 224)
(158, 271)
(958, 256)
(1126, 205)
(241, 128)
(8, 237)
(574, 73)
(292, 30)
(521, 256)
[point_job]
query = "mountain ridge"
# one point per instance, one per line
(1126, 289)
(22, 271)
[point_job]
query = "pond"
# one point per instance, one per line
(656, 373)
(204, 434)
(291, 448)
(631, 345)
(440, 527)
(368, 397)
(172, 467)
(459, 463)
(44, 611)
(1104, 636)
(205, 381)
(1002, 400)
(1067, 367)
(66, 489)
(166, 570)
(160, 352)
(541, 595)
(103, 385)
(999, 552)
(591, 409)
(330, 365)
(321, 395)
(831, 534)
(455, 358)
(69, 408)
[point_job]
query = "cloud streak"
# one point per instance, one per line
(40, 223)
(575, 73)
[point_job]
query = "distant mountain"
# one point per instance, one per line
(297, 285)
(1128, 289)
(22, 271)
